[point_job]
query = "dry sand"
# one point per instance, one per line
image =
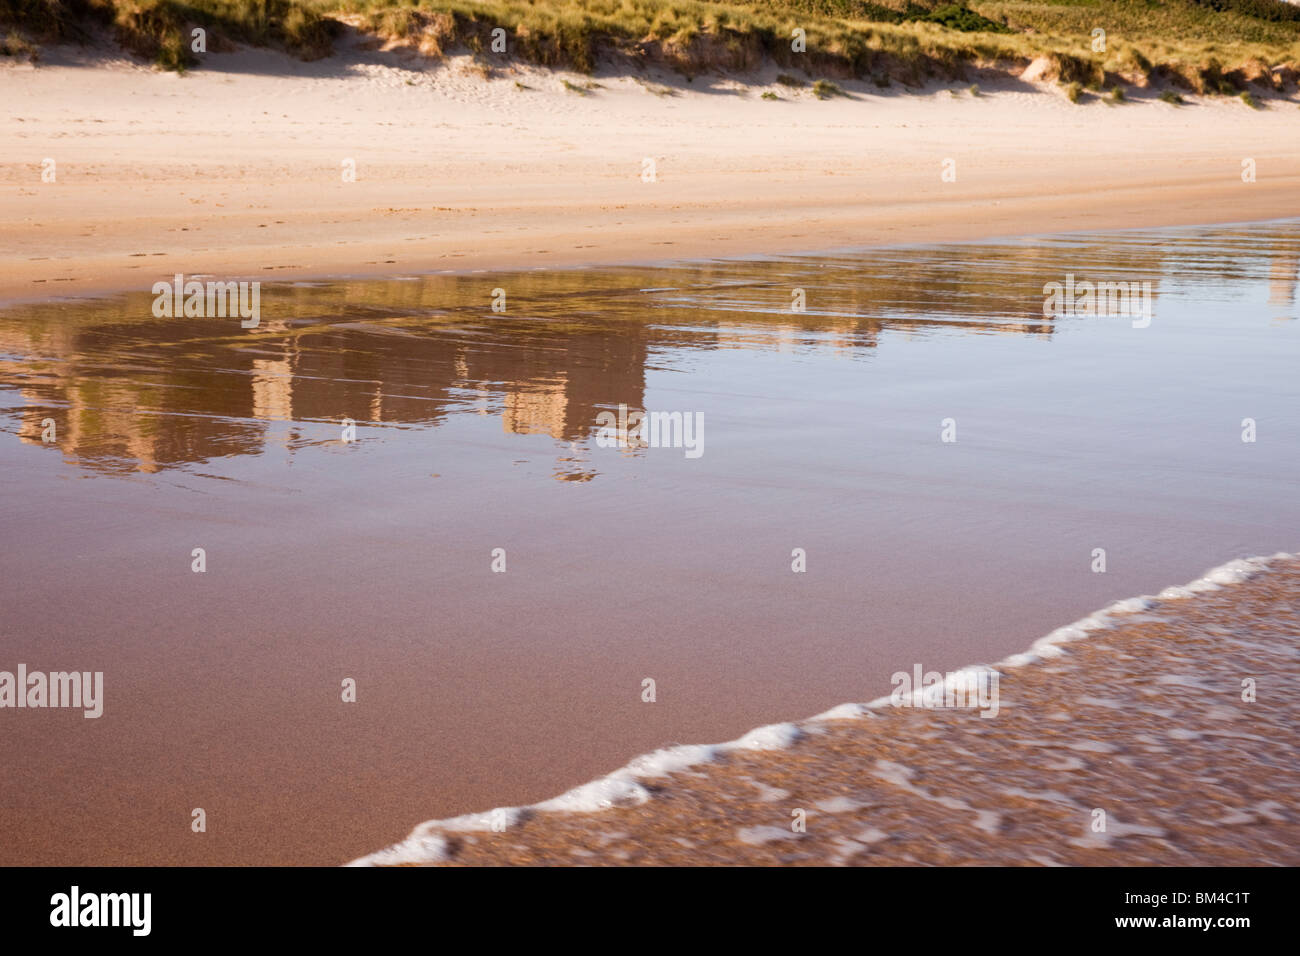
(236, 169)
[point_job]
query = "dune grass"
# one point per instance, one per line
(161, 30)
(1204, 46)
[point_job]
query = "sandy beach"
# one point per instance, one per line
(237, 168)
(649, 230)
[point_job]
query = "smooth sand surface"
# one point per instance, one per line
(236, 169)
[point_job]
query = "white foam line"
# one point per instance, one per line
(626, 787)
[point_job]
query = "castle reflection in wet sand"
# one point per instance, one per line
(944, 458)
(129, 391)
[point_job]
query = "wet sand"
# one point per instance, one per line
(372, 560)
(1143, 720)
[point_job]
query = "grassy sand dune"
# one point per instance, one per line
(1203, 46)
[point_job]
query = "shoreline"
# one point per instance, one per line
(113, 289)
(476, 432)
(545, 833)
(114, 285)
(208, 174)
(240, 170)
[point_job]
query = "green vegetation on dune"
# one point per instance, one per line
(1208, 46)
(160, 30)
(1178, 21)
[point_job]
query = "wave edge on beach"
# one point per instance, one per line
(428, 842)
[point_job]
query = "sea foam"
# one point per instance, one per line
(626, 786)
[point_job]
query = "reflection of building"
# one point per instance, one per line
(1282, 279)
(553, 381)
(273, 399)
(272, 390)
(537, 410)
(130, 392)
(99, 420)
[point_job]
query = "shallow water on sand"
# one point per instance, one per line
(372, 559)
(1137, 736)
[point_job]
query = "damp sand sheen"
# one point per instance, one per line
(1174, 447)
(1144, 734)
